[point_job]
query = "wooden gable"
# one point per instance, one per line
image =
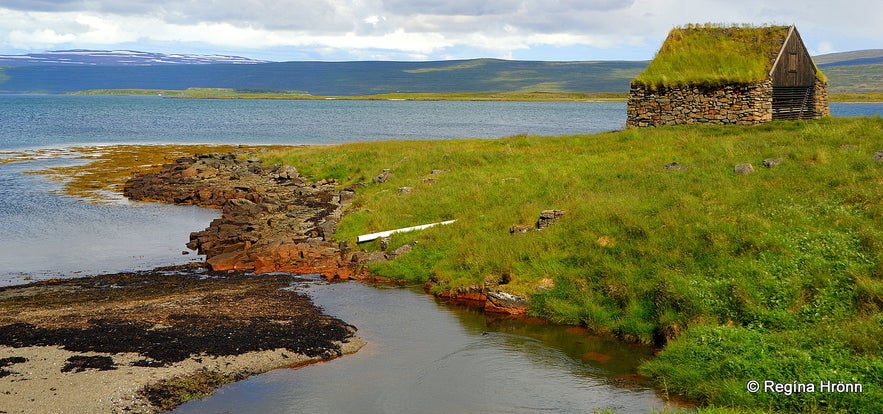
(793, 65)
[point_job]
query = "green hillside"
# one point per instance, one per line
(855, 78)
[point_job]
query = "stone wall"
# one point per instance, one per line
(820, 100)
(732, 104)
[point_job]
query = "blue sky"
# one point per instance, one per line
(337, 30)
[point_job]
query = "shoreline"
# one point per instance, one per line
(146, 342)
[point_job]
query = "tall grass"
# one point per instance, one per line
(785, 265)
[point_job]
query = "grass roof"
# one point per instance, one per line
(714, 55)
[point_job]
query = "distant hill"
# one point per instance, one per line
(850, 58)
(857, 71)
(76, 70)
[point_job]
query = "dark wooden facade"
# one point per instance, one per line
(794, 65)
(794, 78)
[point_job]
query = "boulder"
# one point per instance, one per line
(772, 162)
(403, 249)
(674, 166)
(383, 177)
(500, 302)
(743, 169)
(548, 217)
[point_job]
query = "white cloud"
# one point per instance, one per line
(349, 29)
(38, 38)
(823, 48)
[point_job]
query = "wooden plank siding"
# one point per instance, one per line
(794, 77)
(794, 65)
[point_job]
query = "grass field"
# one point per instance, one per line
(775, 275)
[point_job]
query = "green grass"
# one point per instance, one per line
(713, 55)
(775, 275)
(856, 97)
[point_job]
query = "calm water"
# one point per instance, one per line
(422, 356)
(39, 121)
(426, 357)
(46, 234)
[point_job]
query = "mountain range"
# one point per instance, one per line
(75, 70)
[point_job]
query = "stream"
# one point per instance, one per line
(427, 356)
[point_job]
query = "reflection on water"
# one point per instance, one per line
(428, 357)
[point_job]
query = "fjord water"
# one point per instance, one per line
(38, 120)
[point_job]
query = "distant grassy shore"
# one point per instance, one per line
(771, 276)
(856, 97)
(223, 93)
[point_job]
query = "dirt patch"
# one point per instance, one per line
(80, 363)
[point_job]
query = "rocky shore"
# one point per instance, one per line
(272, 220)
(145, 342)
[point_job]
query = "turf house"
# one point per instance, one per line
(728, 75)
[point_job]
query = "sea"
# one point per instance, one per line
(423, 355)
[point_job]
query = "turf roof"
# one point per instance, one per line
(714, 55)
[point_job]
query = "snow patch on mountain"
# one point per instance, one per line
(119, 58)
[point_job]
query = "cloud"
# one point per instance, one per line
(346, 29)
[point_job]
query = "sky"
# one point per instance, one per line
(421, 30)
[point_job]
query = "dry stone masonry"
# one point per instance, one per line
(732, 104)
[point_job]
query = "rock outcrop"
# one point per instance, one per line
(271, 219)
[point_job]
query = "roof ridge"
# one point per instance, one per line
(782, 49)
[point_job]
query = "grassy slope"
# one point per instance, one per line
(855, 78)
(775, 275)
